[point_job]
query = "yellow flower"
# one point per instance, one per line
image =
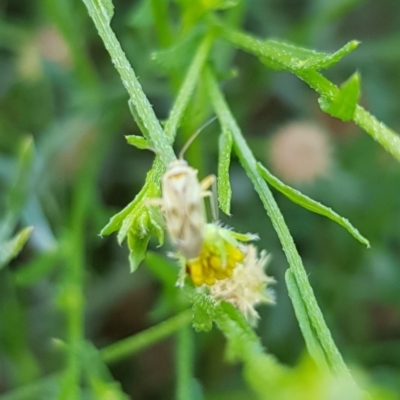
(208, 266)
(221, 252)
(229, 270)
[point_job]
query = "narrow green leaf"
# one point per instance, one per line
(332, 355)
(344, 103)
(310, 204)
(224, 159)
(157, 224)
(138, 141)
(312, 341)
(138, 119)
(286, 56)
(151, 188)
(299, 58)
(116, 221)
(137, 250)
(244, 237)
(138, 221)
(12, 247)
(127, 226)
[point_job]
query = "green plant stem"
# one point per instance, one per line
(153, 131)
(189, 84)
(73, 248)
(175, 117)
(73, 295)
(389, 139)
(127, 347)
(386, 137)
(184, 360)
(160, 15)
(313, 346)
(249, 163)
(112, 353)
(261, 370)
(22, 366)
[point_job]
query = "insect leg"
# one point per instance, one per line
(206, 183)
(154, 201)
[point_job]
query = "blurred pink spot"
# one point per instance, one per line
(300, 152)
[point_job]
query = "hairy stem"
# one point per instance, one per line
(334, 358)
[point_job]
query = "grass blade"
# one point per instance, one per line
(310, 204)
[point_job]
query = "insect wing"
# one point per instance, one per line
(183, 209)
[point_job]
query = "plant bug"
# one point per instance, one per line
(182, 203)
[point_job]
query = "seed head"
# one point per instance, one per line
(248, 285)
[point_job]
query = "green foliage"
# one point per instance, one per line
(309, 204)
(9, 249)
(137, 250)
(344, 103)
(16, 196)
(68, 284)
(137, 141)
(293, 62)
(279, 55)
(224, 159)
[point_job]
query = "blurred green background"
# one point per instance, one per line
(58, 86)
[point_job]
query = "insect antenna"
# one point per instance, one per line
(194, 136)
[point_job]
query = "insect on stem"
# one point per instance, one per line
(182, 203)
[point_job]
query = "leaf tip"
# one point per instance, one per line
(104, 231)
(29, 229)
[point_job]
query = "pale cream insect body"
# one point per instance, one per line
(182, 204)
(183, 207)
